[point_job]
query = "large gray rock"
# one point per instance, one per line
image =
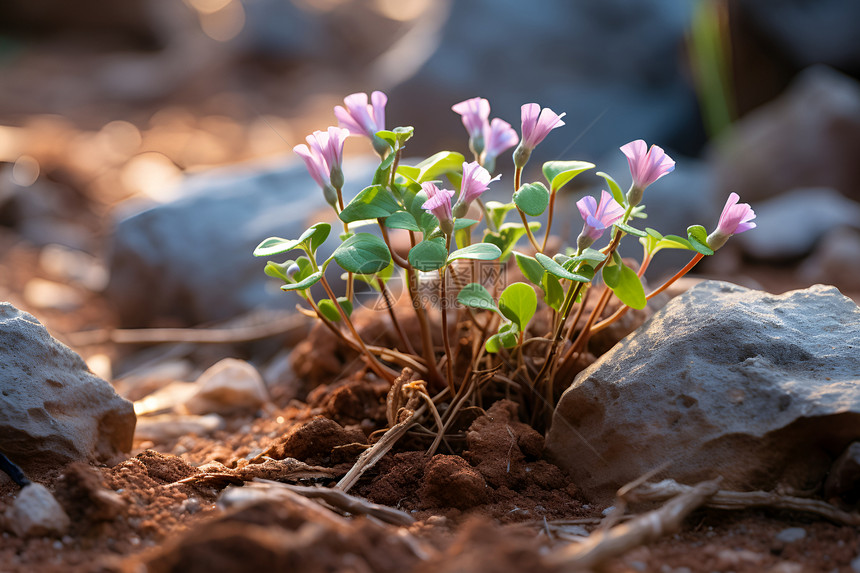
(53, 410)
(761, 389)
(808, 137)
(190, 259)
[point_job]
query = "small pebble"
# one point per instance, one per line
(791, 534)
(855, 564)
(36, 512)
(608, 510)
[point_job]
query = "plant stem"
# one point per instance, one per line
(373, 362)
(443, 307)
(426, 336)
(389, 305)
(518, 174)
(548, 221)
(349, 278)
(398, 260)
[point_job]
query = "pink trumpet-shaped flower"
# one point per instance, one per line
(475, 113)
(499, 136)
(361, 117)
(439, 204)
(597, 217)
(323, 156)
(476, 180)
(646, 167)
(735, 218)
(537, 123)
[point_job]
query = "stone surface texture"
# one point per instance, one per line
(230, 385)
(53, 409)
(759, 388)
(36, 512)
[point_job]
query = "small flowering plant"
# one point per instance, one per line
(439, 204)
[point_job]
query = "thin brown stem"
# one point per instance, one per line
(426, 336)
(443, 307)
(389, 305)
(548, 220)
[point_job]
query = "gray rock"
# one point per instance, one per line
(190, 259)
(53, 410)
(632, 87)
(789, 226)
(36, 512)
(834, 261)
(761, 389)
(791, 534)
(844, 476)
(808, 137)
(229, 386)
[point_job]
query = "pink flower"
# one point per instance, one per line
(537, 123)
(646, 167)
(360, 117)
(439, 203)
(735, 218)
(498, 137)
(597, 218)
(475, 113)
(323, 155)
(476, 180)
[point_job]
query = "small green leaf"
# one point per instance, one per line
(383, 172)
(530, 268)
(279, 270)
(497, 212)
(463, 223)
(305, 283)
(557, 270)
(698, 237)
(654, 233)
(579, 268)
(476, 296)
(612, 271)
(362, 253)
(631, 230)
(590, 255)
(478, 252)
(435, 166)
(429, 255)
(328, 309)
(372, 279)
(518, 303)
(402, 220)
(553, 292)
(508, 235)
(617, 194)
(318, 233)
(628, 288)
(532, 199)
(371, 203)
(275, 246)
(558, 173)
(502, 340)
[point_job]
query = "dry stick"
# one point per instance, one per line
(601, 546)
(723, 499)
(373, 362)
(621, 311)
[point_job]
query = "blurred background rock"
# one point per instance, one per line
(112, 116)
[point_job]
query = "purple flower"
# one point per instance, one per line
(498, 137)
(646, 167)
(537, 123)
(597, 218)
(361, 117)
(439, 204)
(323, 156)
(476, 180)
(735, 218)
(475, 113)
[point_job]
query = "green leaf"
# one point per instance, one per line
(698, 237)
(476, 296)
(502, 340)
(409, 172)
(532, 199)
(275, 246)
(497, 212)
(305, 283)
(557, 270)
(617, 194)
(478, 252)
(508, 235)
(553, 292)
(577, 267)
(612, 271)
(628, 288)
(397, 137)
(590, 255)
(362, 253)
(402, 220)
(530, 268)
(558, 173)
(518, 303)
(372, 202)
(463, 223)
(329, 310)
(429, 255)
(318, 233)
(383, 172)
(371, 279)
(435, 166)
(631, 230)
(279, 270)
